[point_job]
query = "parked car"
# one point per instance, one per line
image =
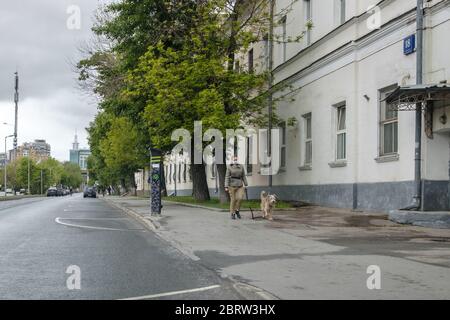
(9, 192)
(52, 192)
(89, 192)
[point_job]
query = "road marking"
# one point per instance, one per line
(93, 218)
(58, 220)
(172, 293)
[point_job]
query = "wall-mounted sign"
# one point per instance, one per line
(409, 44)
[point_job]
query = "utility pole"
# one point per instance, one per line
(16, 101)
(418, 134)
(29, 173)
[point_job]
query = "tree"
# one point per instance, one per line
(121, 152)
(167, 64)
(71, 176)
(42, 175)
(196, 82)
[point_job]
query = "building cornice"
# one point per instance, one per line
(352, 47)
(329, 36)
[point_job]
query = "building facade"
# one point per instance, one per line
(80, 157)
(347, 148)
(38, 150)
(2, 159)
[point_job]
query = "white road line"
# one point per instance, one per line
(172, 293)
(92, 218)
(58, 220)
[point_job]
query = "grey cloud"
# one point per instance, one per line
(34, 38)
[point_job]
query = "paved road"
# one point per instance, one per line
(41, 238)
(313, 253)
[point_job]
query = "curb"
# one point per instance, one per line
(221, 210)
(9, 198)
(147, 222)
(154, 226)
(427, 219)
(242, 288)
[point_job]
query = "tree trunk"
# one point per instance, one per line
(133, 184)
(224, 197)
(200, 190)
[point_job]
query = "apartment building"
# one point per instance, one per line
(38, 150)
(347, 147)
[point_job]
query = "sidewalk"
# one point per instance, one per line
(311, 253)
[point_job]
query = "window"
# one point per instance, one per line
(250, 61)
(388, 125)
(249, 159)
(284, 36)
(213, 170)
(170, 173)
(308, 18)
(179, 173)
(166, 176)
(184, 172)
(237, 67)
(263, 149)
(283, 145)
(341, 132)
(307, 160)
(174, 173)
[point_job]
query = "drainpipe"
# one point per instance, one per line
(270, 99)
(418, 203)
(448, 190)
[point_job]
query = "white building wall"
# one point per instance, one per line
(351, 63)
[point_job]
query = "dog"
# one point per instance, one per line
(268, 202)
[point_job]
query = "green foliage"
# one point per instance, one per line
(168, 63)
(42, 175)
(189, 85)
(71, 175)
(120, 149)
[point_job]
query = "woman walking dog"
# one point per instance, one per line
(235, 183)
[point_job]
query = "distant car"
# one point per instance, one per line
(9, 192)
(89, 193)
(52, 192)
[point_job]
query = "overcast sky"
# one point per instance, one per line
(35, 39)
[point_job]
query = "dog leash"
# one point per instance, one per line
(249, 206)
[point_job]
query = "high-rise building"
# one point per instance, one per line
(38, 150)
(2, 159)
(80, 156)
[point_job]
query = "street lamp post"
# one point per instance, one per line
(5, 160)
(29, 173)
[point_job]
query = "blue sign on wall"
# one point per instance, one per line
(409, 44)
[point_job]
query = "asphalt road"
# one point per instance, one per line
(118, 259)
